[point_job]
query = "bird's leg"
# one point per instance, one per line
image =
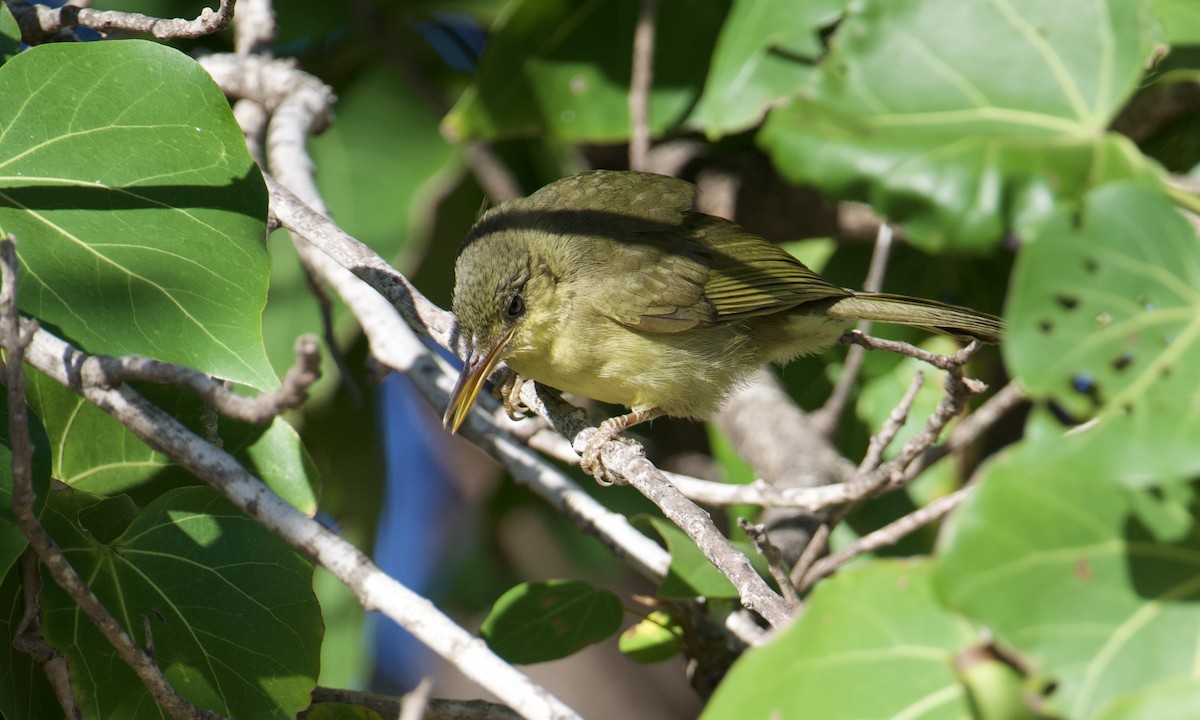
(509, 392)
(610, 429)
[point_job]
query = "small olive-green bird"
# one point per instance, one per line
(609, 284)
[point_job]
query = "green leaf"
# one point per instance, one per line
(690, 573)
(235, 626)
(536, 622)
(965, 118)
(765, 52)
(10, 34)
(1180, 19)
(1178, 697)
(873, 642)
(1105, 319)
(92, 451)
(1092, 583)
(657, 637)
(139, 214)
(563, 67)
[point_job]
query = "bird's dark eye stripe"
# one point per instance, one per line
(516, 306)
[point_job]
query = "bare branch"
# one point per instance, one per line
(879, 441)
(108, 372)
(17, 339)
(253, 27)
(889, 534)
(761, 493)
(639, 84)
(758, 536)
(40, 23)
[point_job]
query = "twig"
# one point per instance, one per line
(253, 27)
(27, 636)
(39, 23)
(968, 430)
(826, 419)
(758, 536)
(885, 536)
(639, 84)
(107, 372)
(17, 339)
(879, 441)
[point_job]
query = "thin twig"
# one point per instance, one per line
(758, 536)
(107, 372)
(27, 636)
(253, 27)
(885, 536)
(640, 81)
(895, 421)
(968, 430)
(16, 340)
(40, 23)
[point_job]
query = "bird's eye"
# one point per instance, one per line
(516, 306)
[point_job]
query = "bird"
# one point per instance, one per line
(609, 284)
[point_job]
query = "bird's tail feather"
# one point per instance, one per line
(927, 314)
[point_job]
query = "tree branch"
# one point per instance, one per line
(40, 23)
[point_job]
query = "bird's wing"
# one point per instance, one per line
(710, 272)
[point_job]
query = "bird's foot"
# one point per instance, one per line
(589, 446)
(509, 393)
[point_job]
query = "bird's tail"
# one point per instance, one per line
(926, 314)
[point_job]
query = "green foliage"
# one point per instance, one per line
(562, 68)
(181, 568)
(1096, 587)
(1105, 314)
(536, 622)
(655, 638)
(157, 252)
(872, 642)
(966, 119)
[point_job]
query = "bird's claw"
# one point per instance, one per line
(589, 445)
(509, 393)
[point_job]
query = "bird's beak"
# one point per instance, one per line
(474, 374)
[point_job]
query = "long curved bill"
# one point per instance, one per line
(474, 374)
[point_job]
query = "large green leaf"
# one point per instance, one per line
(765, 52)
(140, 216)
(1095, 584)
(536, 622)
(236, 628)
(563, 67)
(966, 118)
(872, 643)
(1105, 319)
(92, 451)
